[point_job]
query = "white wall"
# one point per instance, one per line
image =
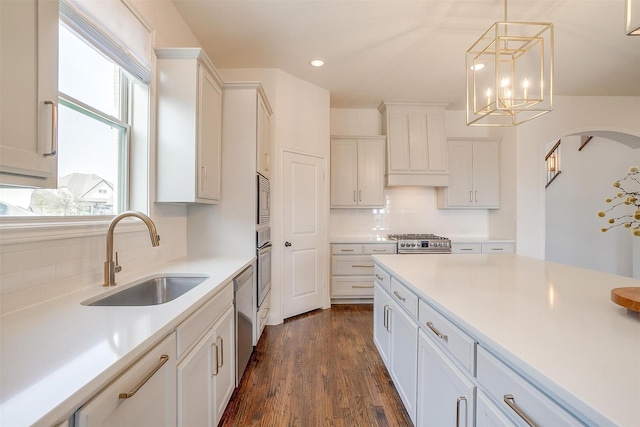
(300, 122)
(35, 267)
(573, 233)
(571, 115)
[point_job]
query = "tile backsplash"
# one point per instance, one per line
(39, 270)
(409, 210)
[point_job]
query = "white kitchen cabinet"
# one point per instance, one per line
(416, 143)
(263, 160)
(144, 395)
(517, 397)
(189, 127)
(206, 375)
(474, 167)
(357, 172)
(395, 334)
(352, 272)
(446, 396)
(486, 247)
(29, 87)
(488, 414)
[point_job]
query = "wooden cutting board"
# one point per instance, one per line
(627, 297)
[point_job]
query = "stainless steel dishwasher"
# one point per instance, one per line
(244, 293)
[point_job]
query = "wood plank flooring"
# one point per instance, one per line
(317, 369)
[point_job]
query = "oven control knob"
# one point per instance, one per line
(413, 245)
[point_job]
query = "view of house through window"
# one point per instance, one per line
(93, 138)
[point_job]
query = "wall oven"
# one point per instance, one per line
(263, 253)
(264, 201)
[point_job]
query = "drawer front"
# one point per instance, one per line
(382, 277)
(351, 265)
(197, 324)
(346, 249)
(524, 400)
(380, 248)
(493, 248)
(404, 297)
(352, 287)
(262, 315)
(461, 345)
(466, 248)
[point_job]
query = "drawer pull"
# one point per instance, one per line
(346, 250)
(399, 296)
(497, 249)
(466, 249)
(437, 332)
(511, 401)
(460, 399)
(362, 286)
(163, 359)
(379, 277)
(379, 250)
(362, 265)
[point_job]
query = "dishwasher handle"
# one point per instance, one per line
(241, 278)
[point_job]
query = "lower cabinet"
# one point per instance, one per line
(144, 395)
(488, 414)
(446, 395)
(396, 337)
(352, 269)
(206, 376)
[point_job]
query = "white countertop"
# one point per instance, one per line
(553, 323)
(55, 354)
(369, 238)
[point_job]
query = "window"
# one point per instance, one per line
(94, 136)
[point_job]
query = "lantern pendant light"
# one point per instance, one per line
(509, 73)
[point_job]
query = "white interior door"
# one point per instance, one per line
(304, 225)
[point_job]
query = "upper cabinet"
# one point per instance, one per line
(357, 172)
(189, 127)
(263, 159)
(416, 143)
(29, 88)
(474, 165)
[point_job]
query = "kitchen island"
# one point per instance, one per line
(552, 325)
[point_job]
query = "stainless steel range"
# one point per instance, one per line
(421, 243)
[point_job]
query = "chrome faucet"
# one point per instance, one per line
(111, 267)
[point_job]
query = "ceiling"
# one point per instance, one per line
(410, 50)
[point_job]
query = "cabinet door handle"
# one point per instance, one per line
(385, 317)
(379, 278)
(511, 402)
(354, 196)
(54, 128)
(359, 195)
(214, 365)
(471, 196)
(400, 297)
(221, 347)
(476, 196)
(163, 359)
(362, 286)
(460, 399)
(362, 265)
(437, 332)
(204, 177)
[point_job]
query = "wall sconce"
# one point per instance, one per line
(632, 17)
(552, 163)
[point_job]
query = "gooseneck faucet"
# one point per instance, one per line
(111, 267)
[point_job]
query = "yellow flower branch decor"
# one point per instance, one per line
(629, 195)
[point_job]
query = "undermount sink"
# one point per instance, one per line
(151, 291)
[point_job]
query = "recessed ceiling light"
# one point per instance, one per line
(317, 62)
(477, 67)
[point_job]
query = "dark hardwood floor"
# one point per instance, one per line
(317, 369)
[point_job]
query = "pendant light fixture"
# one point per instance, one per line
(510, 73)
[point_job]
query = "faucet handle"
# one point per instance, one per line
(117, 268)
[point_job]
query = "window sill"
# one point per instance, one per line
(24, 230)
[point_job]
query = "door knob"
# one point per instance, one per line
(287, 244)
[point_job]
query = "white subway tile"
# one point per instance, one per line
(21, 260)
(39, 275)
(11, 282)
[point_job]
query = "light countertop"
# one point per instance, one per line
(369, 238)
(56, 354)
(554, 324)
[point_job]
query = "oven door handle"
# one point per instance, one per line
(265, 248)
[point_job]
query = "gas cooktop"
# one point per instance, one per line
(421, 243)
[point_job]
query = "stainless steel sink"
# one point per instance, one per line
(151, 291)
